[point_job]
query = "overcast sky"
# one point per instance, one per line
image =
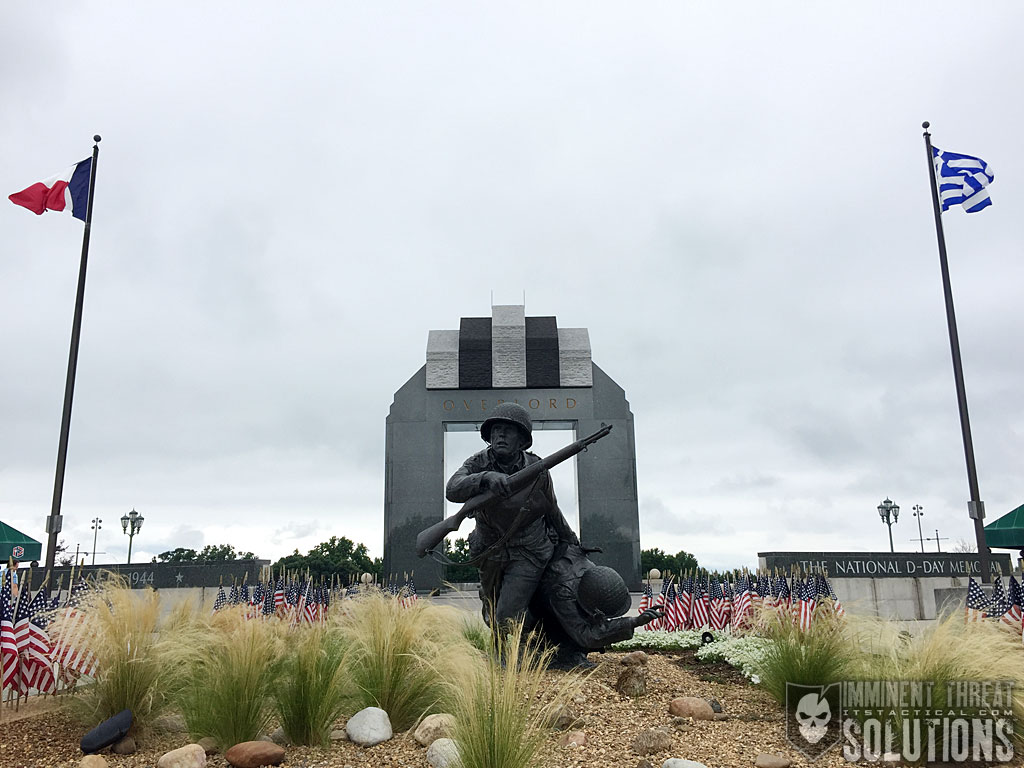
(732, 197)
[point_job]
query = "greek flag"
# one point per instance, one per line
(962, 180)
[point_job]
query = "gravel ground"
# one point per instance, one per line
(45, 737)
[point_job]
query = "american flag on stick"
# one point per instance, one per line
(671, 622)
(701, 610)
(8, 643)
(808, 602)
(74, 634)
(684, 603)
(999, 603)
(34, 643)
(646, 599)
(1016, 601)
(977, 602)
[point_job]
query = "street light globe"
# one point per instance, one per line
(655, 574)
(366, 578)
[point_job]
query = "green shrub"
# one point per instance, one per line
(501, 716)
(231, 679)
(402, 659)
(311, 691)
(820, 655)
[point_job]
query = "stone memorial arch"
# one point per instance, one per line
(548, 370)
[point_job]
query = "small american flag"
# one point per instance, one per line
(646, 599)
(221, 600)
(742, 602)
(279, 594)
(71, 644)
(659, 602)
(701, 605)
(268, 599)
(726, 603)
(684, 604)
(977, 602)
(233, 597)
(717, 599)
(999, 603)
(8, 642)
(671, 622)
(783, 596)
(808, 602)
(1016, 599)
(34, 645)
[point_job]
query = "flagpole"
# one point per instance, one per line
(54, 521)
(975, 507)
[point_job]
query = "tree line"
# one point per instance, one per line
(341, 556)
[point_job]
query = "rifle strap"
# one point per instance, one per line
(517, 522)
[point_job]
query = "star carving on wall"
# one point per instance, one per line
(178, 577)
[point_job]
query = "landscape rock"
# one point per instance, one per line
(277, 736)
(719, 716)
(434, 727)
(767, 760)
(171, 722)
(651, 741)
(676, 762)
(369, 726)
(254, 754)
(93, 761)
(443, 753)
(189, 756)
(691, 706)
(338, 734)
(573, 739)
(125, 746)
(715, 706)
(634, 659)
(632, 682)
(561, 716)
(209, 745)
(110, 731)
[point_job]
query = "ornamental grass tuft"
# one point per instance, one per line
(403, 659)
(502, 715)
(140, 666)
(231, 677)
(311, 692)
(820, 655)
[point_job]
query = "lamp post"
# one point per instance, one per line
(919, 513)
(95, 530)
(890, 513)
(131, 524)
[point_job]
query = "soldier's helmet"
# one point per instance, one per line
(602, 589)
(512, 413)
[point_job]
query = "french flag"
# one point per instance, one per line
(66, 191)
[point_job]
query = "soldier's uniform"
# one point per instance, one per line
(510, 571)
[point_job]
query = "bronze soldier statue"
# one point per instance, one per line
(581, 607)
(514, 537)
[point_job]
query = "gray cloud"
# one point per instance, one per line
(735, 205)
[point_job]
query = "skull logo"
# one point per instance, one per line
(813, 713)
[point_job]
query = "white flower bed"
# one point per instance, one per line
(744, 652)
(661, 640)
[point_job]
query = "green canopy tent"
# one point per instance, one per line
(1007, 532)
(14, 543)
